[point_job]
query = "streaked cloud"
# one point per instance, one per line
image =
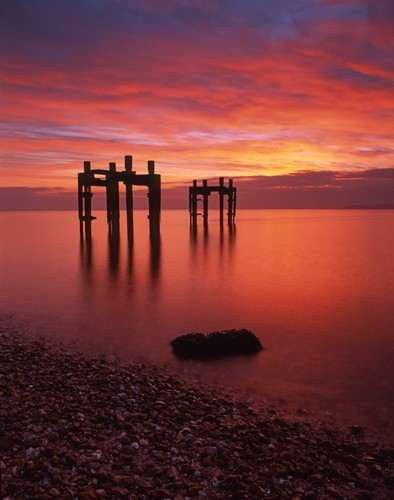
(204, 87)
(307, 189)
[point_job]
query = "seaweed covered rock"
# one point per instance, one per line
(216, 344)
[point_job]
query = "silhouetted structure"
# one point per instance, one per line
(110, 179)
(205, 191)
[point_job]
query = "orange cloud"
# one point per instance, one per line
(202, 89)
(306, 189)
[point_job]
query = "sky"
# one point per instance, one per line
(294, 99)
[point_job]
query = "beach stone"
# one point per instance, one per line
(216, 344)
(127, 450)
(357, 430)
(230, 482)
(334, 493)
(215, 482)
(203, 443)
(211, 450)
(88, 495)
(53, 436)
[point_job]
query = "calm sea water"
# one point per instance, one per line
(317, 287)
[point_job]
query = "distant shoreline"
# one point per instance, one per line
(240, 209)
(374, 206)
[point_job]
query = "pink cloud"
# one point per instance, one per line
(200, 88)
(307, 189)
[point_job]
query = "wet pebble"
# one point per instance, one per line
(138, 432)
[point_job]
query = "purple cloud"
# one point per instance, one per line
(301, 190)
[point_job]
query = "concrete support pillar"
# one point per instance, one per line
(128, 165)
(112, 192)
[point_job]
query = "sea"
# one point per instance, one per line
(316, 286)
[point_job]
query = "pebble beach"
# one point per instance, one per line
(75, 426)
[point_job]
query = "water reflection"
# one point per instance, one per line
(113, 253)
(231, 230)
(195, 239)
(155, 255)
(228, 233)
(90, 263)
(206, 242)
(322, 306)
(86, 251)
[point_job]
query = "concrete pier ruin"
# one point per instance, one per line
(205, 191)
(110, 179)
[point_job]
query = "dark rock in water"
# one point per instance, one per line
(216, 344)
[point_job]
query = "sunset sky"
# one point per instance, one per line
(294, 96)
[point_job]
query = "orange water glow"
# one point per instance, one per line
(314, 285)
